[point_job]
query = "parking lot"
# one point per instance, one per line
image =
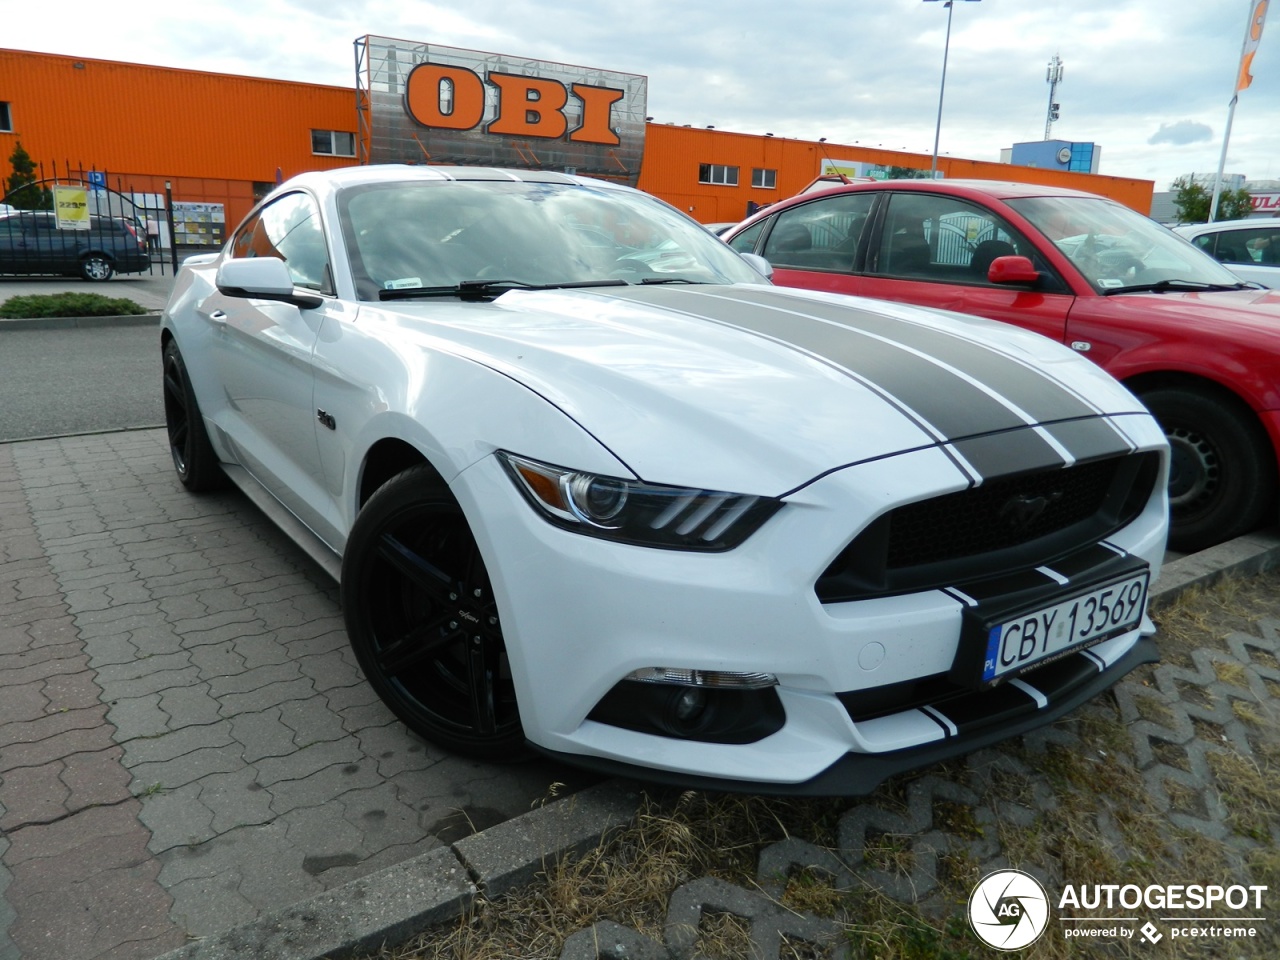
(185, 740)
(186, 744)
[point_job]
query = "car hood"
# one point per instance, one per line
(761, 389)
(1258, 309)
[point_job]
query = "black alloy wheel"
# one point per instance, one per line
(1222, 472)
(194, 458)
(422, 619)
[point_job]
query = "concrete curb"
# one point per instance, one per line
(1252, 553)
(76, 323)
(395, 903)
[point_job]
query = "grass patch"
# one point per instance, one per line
(1098, 824)
(29, 306)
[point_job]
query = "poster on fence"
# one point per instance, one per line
(71, 205)
(199, 224)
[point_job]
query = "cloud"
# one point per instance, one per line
(1181, 133)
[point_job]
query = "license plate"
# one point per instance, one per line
(1029, 639)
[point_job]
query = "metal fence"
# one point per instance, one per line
(83, 223)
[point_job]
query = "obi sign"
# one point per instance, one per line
(430, 104)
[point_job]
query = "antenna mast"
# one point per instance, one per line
(1053, 78)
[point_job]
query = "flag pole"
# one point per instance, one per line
(1249, 46)
(1222, 160)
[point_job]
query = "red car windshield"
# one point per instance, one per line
(1116, 248)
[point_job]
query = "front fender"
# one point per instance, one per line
(453, 410)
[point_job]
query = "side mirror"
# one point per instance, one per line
(262, 278)
(1012, 270)
(759, 264)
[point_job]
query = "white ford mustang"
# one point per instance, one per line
(590, 483)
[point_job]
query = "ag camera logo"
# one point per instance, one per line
(1008, 910)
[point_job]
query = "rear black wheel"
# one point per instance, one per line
(423, 622)
(95, 266)
(193, 456)
(1222, 473)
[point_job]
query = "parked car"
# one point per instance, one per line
(589, 483)
(1198, 347)
(32, 243)
(1249, 248)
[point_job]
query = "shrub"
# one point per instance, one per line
(68, 305)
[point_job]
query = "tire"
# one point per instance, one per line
(193, 455)
(1222, 476)
(423, 622)
(96, 267)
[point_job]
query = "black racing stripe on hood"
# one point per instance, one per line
(954, 407)
(1028, 388)
(1015, 451)
(1020, 382)
(1091, 438)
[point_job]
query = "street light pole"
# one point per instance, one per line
(942, 88)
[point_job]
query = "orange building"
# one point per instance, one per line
(224, 141)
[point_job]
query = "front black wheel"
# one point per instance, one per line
(193, 456)
(423, 622)
(1222, 473)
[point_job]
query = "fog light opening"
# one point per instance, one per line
(688, 705)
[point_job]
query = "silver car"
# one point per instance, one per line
(1249, 248)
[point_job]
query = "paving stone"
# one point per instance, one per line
(322, 786)
(21, 702)
(33, 795)
(138, 718)
(177, 818)
(312, 720)
(17, 755)
(96, 779)
(263, 734)
(185, 769)
(262, 698)
(323, 757)
(237, 799)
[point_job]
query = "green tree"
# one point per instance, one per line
(1191, 200)
(19, 189)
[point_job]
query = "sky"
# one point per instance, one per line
(1150, 81)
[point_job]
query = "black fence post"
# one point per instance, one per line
(173, 236)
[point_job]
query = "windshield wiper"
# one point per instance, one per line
(488, 289)
(647, 281)
(1181, 286)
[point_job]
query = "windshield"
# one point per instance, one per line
(441, 234)
(1116, 248)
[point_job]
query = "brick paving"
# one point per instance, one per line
(186, 741)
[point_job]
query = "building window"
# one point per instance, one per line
(768, 179)
(333, 143)
(6, 121)
(718, 173)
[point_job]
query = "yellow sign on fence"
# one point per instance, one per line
(71, 206)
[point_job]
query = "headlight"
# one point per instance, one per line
(631, 511)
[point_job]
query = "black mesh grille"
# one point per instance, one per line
(987, 518)
(1006, 524)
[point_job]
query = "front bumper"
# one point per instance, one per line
(857, 774)
(580, 614)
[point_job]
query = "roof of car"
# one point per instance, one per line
(1260, 222)
(1000, 189)
(389, 172)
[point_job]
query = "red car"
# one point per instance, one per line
(1198, 346)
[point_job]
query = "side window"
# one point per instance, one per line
(289, 229)
(1248, 246)
(745, 242)
(944, 239)
(820, 235)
